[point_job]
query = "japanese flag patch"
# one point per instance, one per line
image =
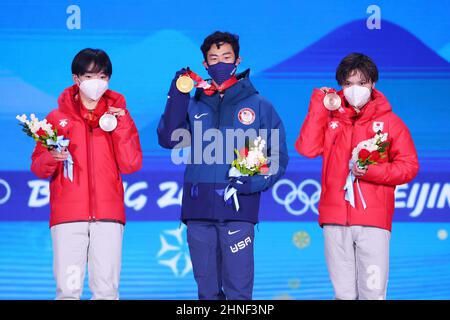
(378, 126)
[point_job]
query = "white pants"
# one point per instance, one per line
(358, 261)
(99, 244)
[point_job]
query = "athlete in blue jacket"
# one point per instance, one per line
(212, 124)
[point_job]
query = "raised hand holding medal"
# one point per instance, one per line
(185, 82)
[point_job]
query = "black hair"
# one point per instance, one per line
(91, 60)
(356, 62)
(219, 38)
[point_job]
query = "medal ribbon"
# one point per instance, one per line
(210, 89)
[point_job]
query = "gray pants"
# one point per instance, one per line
(358, 261)
(97, 244)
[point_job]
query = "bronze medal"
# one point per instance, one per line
(332, 101)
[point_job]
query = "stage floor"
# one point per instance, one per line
(289, 262)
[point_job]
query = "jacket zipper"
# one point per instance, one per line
(218, 128)
(91, 184)
(220, 111)
(351, 145)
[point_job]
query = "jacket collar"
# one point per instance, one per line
(68, 101)
(376, 107)
(240, 90)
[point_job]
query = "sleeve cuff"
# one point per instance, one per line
(125, 119)
(259, 183)
(373, 172)
(316, 104)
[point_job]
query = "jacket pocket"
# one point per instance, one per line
(329, 146)
(374, 194)
(56, 183)
(390, 198)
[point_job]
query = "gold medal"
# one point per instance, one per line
(185, 84)
(332, 101)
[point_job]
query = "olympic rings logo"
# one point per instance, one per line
(8, 191)
(298, 193)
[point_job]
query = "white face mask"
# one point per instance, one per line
(357, 96)
(94, 88)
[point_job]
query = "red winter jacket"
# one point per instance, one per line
(334, 135)
(96, 192)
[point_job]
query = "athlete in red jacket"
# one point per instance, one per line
(87, 214)
(357, 238)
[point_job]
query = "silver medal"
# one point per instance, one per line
(108, 122)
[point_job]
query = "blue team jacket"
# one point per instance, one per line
(203, 116)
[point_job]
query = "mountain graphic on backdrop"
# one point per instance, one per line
(395, 50)
(19, 96)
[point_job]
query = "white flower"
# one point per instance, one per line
(47, 127)
(372, 147)
(258, 141)
(22, 118)
(255, 156)
(262, 145)
(34, 127)
(382, 137)
(252, 159)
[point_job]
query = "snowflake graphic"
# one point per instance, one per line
(179, 251)
(334, 124)
(63, 123)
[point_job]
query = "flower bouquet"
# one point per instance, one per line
(249, 162)
(370, 151)
(43, 132)
(367, 152)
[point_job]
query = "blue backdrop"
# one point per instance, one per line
(291, 48)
